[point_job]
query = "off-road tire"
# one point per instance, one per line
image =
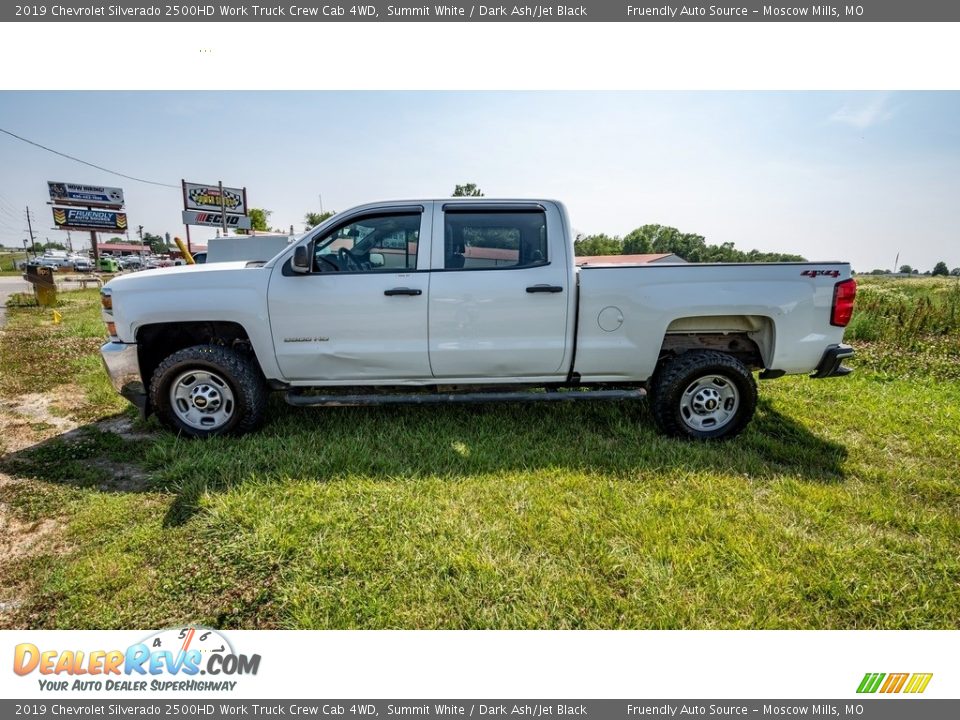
(676, 375)
(239, 371)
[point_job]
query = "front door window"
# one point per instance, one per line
(379, 243)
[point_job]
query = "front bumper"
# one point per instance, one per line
(123, 367)
(831, 364)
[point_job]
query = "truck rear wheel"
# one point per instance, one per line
(208, 390)
(703, 395)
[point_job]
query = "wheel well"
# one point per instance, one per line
(158, 341)
(749, 338)
(737, 344)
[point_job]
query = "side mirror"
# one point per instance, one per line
(301, 260)
(376, 260)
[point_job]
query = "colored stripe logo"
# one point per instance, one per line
(894, 682)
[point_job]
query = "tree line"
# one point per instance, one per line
(939, 269)
(691, 247)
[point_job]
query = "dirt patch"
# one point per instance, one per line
(21, 538)
(121, 477)
(28, 419)
(28, 422)
(123, 426)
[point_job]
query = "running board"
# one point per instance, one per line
(300, 400)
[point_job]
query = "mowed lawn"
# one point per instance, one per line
(838, 508)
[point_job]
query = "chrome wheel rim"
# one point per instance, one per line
(709, 403)
(202, 400)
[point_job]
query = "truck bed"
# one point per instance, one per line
(625, 311)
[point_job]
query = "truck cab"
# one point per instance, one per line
(447, 290)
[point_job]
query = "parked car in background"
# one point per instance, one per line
(109, 264)
(55, 259)
(83, 265)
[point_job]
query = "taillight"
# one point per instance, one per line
(843, 295)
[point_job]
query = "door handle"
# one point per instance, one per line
(402, 291)
(545, 289)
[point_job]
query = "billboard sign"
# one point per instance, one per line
(207, 197)
(97, 220)
(73, 194)
(195, 217)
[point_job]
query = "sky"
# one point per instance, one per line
(864, 177)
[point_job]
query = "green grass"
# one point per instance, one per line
(8, 262)
(838, 508)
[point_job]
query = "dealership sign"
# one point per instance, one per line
(97, 220)
(208, 197)
(194, 217)
(73, 194)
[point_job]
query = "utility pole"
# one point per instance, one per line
(223, 210)
(69, 241)
(30, 228)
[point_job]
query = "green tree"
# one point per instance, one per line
(906, 269)
(639, 241)
(467, 190)
(598, 245)
(157, 245)
(689, 246)
(955, 271)
(941, 269)
(665, 239)
(115, 240)
(312, 219)
(258, 220)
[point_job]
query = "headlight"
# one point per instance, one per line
(106, 302)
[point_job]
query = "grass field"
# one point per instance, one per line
(8, 262)
(838, 508)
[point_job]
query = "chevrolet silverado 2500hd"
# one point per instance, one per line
(466, 300)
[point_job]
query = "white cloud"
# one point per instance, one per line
(864, 113)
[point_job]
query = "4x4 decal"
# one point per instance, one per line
(815, 273)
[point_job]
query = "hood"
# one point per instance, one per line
(176, 275)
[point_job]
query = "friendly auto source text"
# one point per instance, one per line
(673, 11)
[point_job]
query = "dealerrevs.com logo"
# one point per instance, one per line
(173, 659)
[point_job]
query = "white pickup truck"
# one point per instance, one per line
(466, 300)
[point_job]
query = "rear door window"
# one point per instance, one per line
(494, 240)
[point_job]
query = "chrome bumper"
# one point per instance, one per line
(123, 367)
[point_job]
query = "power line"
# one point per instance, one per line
(7, 207)
(84, 162)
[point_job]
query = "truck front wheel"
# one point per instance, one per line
(208, 390)
(703, 395)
